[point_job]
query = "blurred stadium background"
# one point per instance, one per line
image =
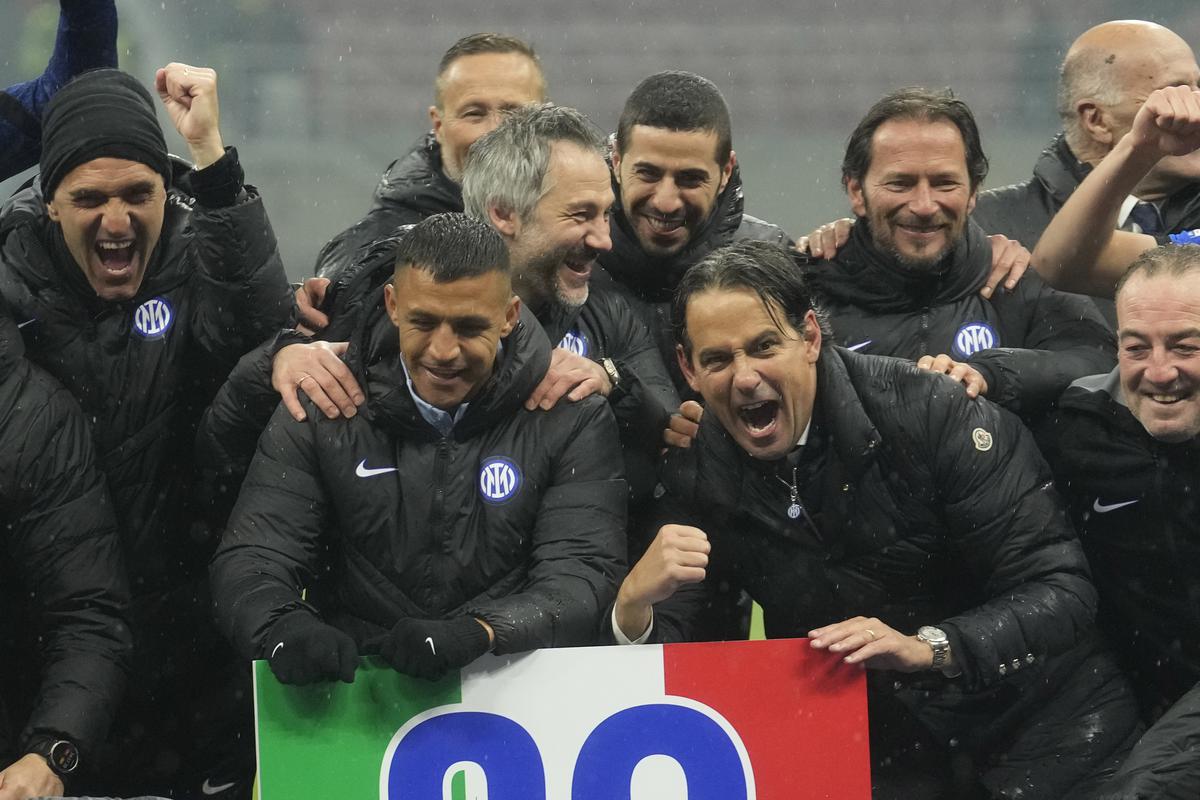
(319, 95)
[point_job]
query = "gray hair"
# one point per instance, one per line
(1087, 74)
(1168, 260)
(507, 167)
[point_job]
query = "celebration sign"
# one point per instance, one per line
(721, 721)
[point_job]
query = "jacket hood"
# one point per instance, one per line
(863, 276)
(34, 248)
(654, 279)
(374, 355)
(416, 182)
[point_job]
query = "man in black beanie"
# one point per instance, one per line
(138, 281)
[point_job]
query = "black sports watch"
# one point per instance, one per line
(61, 754)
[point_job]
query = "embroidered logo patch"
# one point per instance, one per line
(153, 318)
(575, 342)
(982, 439)
(499, 479)
(973, 337)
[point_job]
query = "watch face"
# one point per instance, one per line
(64, 756)
(932, 634)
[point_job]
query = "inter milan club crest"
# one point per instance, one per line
(153, 318)
(576, 342)
(499, 479)
(973, 337)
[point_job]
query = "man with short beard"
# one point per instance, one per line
(907, 282)
(679, 193)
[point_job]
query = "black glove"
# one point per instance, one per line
(302, 649)
(429, 648)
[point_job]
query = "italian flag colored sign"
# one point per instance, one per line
(721, 721)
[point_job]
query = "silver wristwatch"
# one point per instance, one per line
(938, 641)
(614, 376)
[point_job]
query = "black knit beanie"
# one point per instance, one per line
(102, 113)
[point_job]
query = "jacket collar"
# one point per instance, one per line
(863, 276)
(1059, 170)
(416, 181)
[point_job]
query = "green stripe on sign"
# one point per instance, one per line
(757, 632)
(458, 786)
(304, 729)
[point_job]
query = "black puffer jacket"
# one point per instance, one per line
(606, 326)
(516, 518)
(63, 589)
(1165, 764)
(145, 369)
(412, 187)
(1136, 504)
(1029, 343)
(652, 281)
(1022, 211)
(921, 508)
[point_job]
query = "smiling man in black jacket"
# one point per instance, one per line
(464, 522)
(907, 282)
(902, 525)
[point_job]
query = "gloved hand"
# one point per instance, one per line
(429, 648)
(302, 649)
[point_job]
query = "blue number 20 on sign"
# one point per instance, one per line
(511, 764)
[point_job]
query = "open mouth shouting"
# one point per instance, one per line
(760, 418)
(116, 257)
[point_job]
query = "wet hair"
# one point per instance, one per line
(1169, 260)
(507, 167)
(677, 101)
(477, 44)
(923, 105)
(451, 247)
(769, 270)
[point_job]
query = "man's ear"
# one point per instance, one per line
(52, 211)
(1095, 122)
(858, 203)
(506, 221)
(616, 164)
(727, 170)
(435, 119)
(389, 301)
(512, 315)
(685, 366)
(812, 336)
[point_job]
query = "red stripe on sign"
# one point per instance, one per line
(801, 713)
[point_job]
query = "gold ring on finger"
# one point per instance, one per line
(870, 633)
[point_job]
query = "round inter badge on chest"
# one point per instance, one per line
(153, 318)
(499, 479)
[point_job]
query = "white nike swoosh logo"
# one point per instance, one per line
(860, 345)
(363, 471)
(208, 788)
(26, 322)
(1104, 509)
(429, 641)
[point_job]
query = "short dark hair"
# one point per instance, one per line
(678, 101)
(451, 247)
(479, 43)
(1174, 260)
(924, 105)
(769, 270)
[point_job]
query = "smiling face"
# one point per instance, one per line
(450, 332)
(670, 181)
(552, 252)
(759, 376)
(111, 213)
(916, 195)
(474, 91)
(1158, 321)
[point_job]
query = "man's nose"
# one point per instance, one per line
(921, 202)
(745, 376)
(598, 237)
(443, 344)
(666, 199)
(1162, 370)
(115, 219)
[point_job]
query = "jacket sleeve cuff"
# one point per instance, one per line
(219, 184)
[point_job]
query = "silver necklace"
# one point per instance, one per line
(794, 510)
